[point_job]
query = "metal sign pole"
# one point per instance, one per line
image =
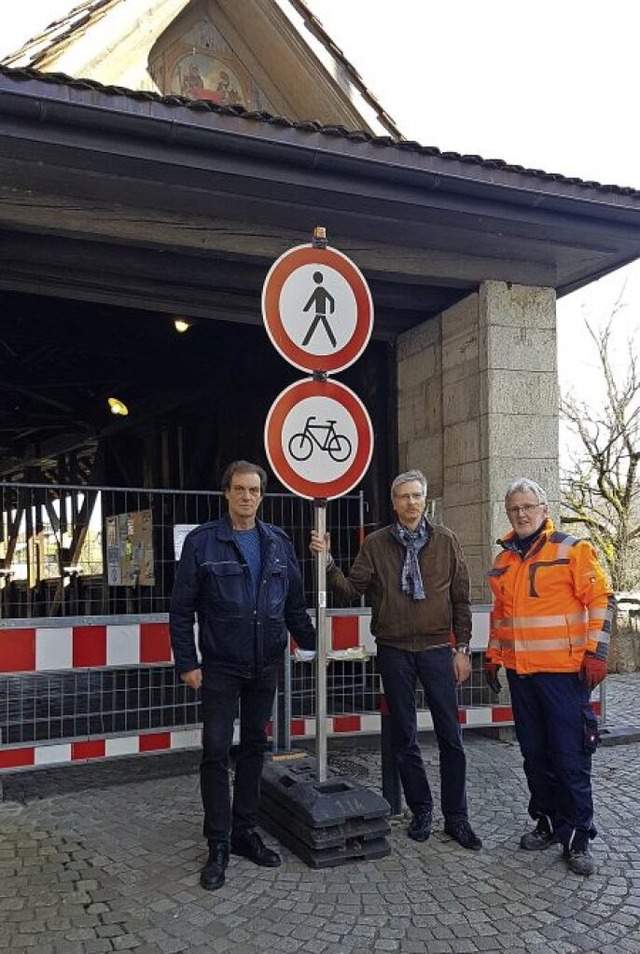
(304, 808)
(320, 526)
(319, 240)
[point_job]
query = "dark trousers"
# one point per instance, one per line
(549, 712)
(220, 700)
(400, 671)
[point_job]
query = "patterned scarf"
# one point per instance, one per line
(413, 541)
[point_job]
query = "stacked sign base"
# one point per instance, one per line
(324, 823)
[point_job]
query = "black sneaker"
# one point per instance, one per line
(464, 835)
(250, 845)
(212, 875)
(578, 856)
(420, 826)
(541, 837)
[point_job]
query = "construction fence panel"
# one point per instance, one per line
(76, 689)
(85, 658)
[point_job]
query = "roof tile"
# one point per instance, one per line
(25, 74)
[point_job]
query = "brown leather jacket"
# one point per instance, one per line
(396, 619)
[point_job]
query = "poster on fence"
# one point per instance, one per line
(130, 549)
(180, 530)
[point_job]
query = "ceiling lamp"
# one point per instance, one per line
(116, 406)
(181, 325)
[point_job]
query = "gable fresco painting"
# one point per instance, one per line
(207, 77)
(202, 65)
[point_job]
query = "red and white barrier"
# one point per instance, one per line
(50, 646)
(57, 753)
(46, 646)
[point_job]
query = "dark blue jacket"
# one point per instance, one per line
(237, 632)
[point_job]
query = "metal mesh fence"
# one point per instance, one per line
(355, 687)
(81, 551)
(69, 705)
(50, 707)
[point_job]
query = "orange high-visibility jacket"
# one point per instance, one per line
(550, 607)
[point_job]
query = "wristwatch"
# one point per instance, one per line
(463, 648)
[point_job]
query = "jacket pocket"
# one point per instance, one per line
(224, 587)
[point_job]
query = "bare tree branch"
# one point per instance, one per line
(600, 489)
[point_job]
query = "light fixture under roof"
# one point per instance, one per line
(181, 325)
(116, 406)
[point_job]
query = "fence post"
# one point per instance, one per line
(391, 787)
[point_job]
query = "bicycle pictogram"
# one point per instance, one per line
(337, 446)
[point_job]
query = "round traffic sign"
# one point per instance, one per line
(317, 309)
(319, 439)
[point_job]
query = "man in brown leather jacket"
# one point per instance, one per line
(418, 583)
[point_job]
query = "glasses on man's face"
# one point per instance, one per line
(410, 498)
(239, 491)
(526, 509)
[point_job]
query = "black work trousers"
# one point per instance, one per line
(220, 698)
(549, 710)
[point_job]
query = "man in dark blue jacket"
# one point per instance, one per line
(239, 577)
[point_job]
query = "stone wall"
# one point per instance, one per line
(624, 652)
(478, 407)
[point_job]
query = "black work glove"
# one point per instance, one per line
(491, 671)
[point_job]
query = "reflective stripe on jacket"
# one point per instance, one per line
(550, 606)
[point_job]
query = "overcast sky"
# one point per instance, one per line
(549, 85)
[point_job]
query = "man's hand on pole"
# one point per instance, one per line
(320, 544)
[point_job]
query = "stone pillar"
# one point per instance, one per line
(478, 407)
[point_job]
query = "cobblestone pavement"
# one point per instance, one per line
(115, 868)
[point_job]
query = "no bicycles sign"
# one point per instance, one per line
(319, 439)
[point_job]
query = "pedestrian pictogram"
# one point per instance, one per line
(319, 300)
(318, 438)
(317, 309)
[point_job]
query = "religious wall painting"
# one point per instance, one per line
(202, 76)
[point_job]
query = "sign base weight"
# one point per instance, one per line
(324, 823)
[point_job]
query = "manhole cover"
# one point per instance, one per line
(348, 767)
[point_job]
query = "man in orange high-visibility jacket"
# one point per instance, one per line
(550, 628)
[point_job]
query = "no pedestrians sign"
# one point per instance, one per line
(317, 309)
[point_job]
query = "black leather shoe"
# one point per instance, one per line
(212, 875)
(250, 845)
(420, 826)
(464, 835)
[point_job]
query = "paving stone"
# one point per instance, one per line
(115, 867)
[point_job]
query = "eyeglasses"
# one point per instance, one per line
(239, 491)
(526, 509)
(410, 498)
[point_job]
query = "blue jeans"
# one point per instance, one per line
(400, 671)
(220, 700)
(549, 711)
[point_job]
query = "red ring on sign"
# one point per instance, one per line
(279, 272)
(274, 427)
